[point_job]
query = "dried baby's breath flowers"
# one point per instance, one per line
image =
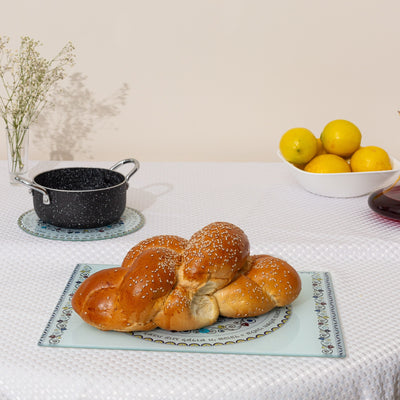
(26, 79)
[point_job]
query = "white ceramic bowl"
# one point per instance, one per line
(346, 184)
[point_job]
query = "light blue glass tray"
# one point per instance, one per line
(308, 327)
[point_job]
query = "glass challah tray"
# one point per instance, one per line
(308, 327)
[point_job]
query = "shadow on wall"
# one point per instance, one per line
(65, 129)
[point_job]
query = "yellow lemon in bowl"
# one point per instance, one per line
(298, 145)
(320, 147)
(341, 137)
(327, 164)
(370, 158)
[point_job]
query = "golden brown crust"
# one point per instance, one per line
(178, 284)
(171, 242)
(276, 277)
(213, 256)
(97, 299)
(269, 283)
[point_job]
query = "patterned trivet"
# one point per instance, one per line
(308, 327)
(130, 221)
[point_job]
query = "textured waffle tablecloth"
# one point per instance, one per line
(360, 249)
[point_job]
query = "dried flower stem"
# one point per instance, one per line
(26, 79)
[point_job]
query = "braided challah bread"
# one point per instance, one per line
(178, 284)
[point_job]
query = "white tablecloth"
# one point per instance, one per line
(360, 249)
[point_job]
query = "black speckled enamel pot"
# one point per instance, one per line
(80, 198)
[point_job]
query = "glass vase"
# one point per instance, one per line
(17, 142)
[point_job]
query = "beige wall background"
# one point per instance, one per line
(218, 80)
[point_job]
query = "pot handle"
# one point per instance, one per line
(35, 186)
(126, 161)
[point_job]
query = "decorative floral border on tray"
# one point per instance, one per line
(224, 326)
(326, 314)
(61, 323)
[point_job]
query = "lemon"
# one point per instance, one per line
(298, 145)
(341, 137)
(370, 158)
(327, 164)
(320, 147)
